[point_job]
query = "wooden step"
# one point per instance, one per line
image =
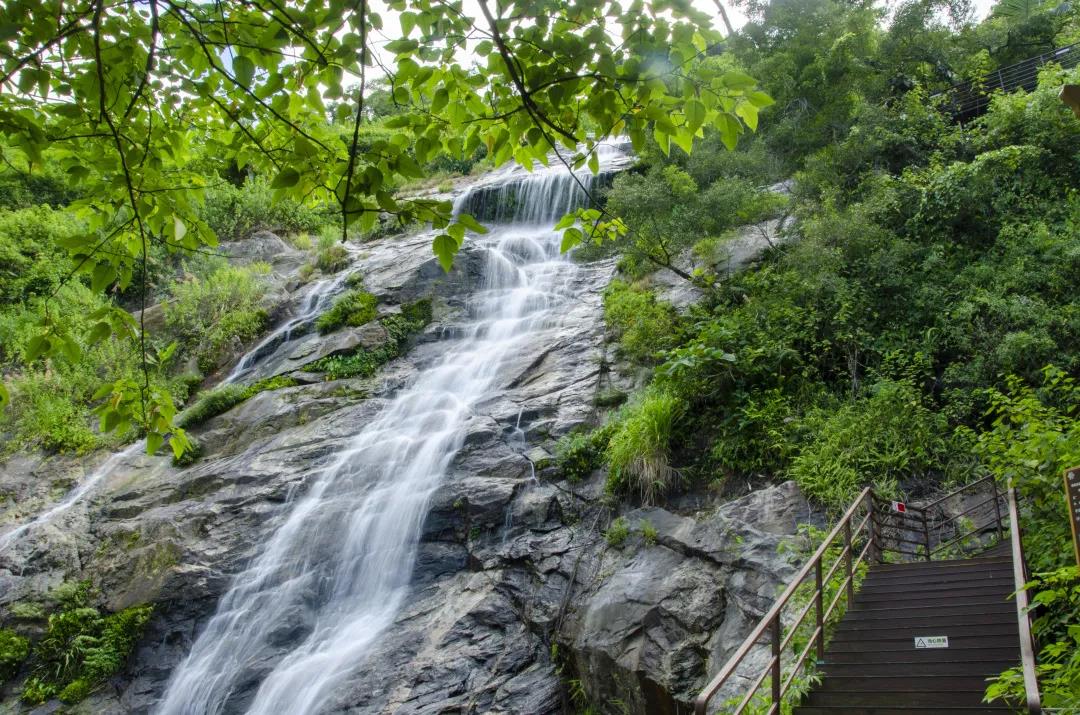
(903, 645)
(918, 600)
(942, 698)
(912, 710)
(848, 631)
(951, 565)
(925, 578)
(958, 592)
(902, 683)
(1001, 610)
(985, 668)
(933, 655)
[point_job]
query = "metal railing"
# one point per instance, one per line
(872, 530)
(1023, 611)
(969, 99)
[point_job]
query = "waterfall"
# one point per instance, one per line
(302, 616)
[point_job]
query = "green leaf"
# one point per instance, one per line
(5, 396)
(402, 46)
(445, 249)
(154, 440)
(594, 163)
(471, 223)
(566, 222)
(571, 238)
(760, 99)
(244, 70)
(179, 229)
(286, 178)
(695, 113)
(36, 347)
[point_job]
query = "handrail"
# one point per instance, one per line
(1027, 642)
(878, 541)
(953, 493)
(772, 621)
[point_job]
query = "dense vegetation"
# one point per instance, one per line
(914, 325)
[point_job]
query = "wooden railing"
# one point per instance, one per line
(872, 530)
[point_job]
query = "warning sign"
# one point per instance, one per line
(931, 641)
(899, 507)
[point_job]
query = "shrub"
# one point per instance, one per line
(363, 363)
(82, 648)
(208, 315)
(355, 307)
(618, 532)
(330, 253)
(579, 454)
(32, 262)
(639, 451)
(643, 325)
(885, 438)
(221, 400)
(13, 651)
(648, 532)
(235, 212)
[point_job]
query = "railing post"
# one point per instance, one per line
(872, 529)
(997, 512)
(847, 563)
(777, 637)
(820, 606)
(926, 534)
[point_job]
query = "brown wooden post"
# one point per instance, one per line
(819, 603)
(777, 637)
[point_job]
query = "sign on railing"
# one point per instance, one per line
(1072, 498)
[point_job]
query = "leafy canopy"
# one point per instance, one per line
(117, 95)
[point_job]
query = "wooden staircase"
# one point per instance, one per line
(887, 576)
(872, 667)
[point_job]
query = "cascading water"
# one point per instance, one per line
(316, 300)
(309, 607)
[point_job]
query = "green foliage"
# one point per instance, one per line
(617, 532)
(579, 454)
(364, 362)
(886, 438)
(352, 308)
(14, 649)
(209, 315)
(330, 253)
(168, 113)
(638, 453)
(643, 325)
(80, 649)
(236, 212)
(222, 399)
(32, 261)
(648, 532)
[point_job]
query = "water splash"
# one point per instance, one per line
(308, 609)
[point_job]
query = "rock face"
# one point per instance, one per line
(516, 591)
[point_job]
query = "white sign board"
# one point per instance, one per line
(931, 641)
(899, 507)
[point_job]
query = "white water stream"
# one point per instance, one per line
(323, 588)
